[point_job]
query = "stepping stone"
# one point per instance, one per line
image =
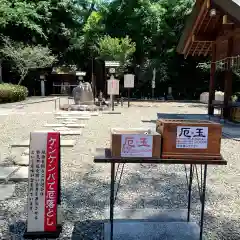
(6, 171)
(70, 133)
(75, 125)
(63, 132)
(70, 122)
(111, 112)
(61, 129)
(54, 125)
(26, 152)
(80, 113)
(20, 175)
(2, 222)
(94, 114)
(6, 191)
(22, 160)
(65, 125)
(152, 214)
(68, 113)
(142, 230)
(74, 117)
(70, 119)
(64, 143)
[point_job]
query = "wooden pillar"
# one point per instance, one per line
(228, 81)
(212, 80)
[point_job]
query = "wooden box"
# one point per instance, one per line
(190, 139)
(235, 114)
(135, 143)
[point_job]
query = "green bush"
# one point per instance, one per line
(12, 93)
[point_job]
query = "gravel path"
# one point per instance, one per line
(85, 185)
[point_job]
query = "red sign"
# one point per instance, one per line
(43, 183)
(51, 184)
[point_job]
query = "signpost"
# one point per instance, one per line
(153, 82)
(43, 186)
(128, 83)
(112, 89)
(113, 84)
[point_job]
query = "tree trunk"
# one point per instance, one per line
(1, 81)
(21, 79)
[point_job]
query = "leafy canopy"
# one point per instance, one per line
(26, 57)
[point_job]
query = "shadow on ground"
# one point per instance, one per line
(172, 193)
(183, 116)
(85, 204)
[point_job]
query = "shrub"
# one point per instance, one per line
(12, 93)
(236, 97)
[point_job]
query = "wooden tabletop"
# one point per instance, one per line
(103, 155)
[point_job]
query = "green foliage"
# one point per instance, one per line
(26, 57)
(12, 93)
(22, 14)
(116, 49)
(79, 30)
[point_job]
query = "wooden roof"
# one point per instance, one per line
(202, 29)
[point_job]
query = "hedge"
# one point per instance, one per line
(12, 93)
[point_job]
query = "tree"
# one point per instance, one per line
(79, 30)
(116, 49)
(26, 57)
(19, 14)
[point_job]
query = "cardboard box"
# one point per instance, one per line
(135, 143)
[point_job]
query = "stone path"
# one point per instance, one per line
(142, 230)
(68, 125)
(10, 112)
(22, 160)
(74, 117)
(20, 175)
(16, 173)
(19, 172)
(63, 132)
(6, 191)
(5, 172)
(63, 143)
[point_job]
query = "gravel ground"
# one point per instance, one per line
(85, 185)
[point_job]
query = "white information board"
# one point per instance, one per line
(128, 81)
(113, 87)
(192, 137)
(136, 145)
(43, 181)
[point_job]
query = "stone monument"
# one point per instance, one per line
(169, 96)
(82, 94)
(83, 99)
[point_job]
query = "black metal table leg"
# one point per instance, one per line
(203, 200)
(112, 198)
(190, 192)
